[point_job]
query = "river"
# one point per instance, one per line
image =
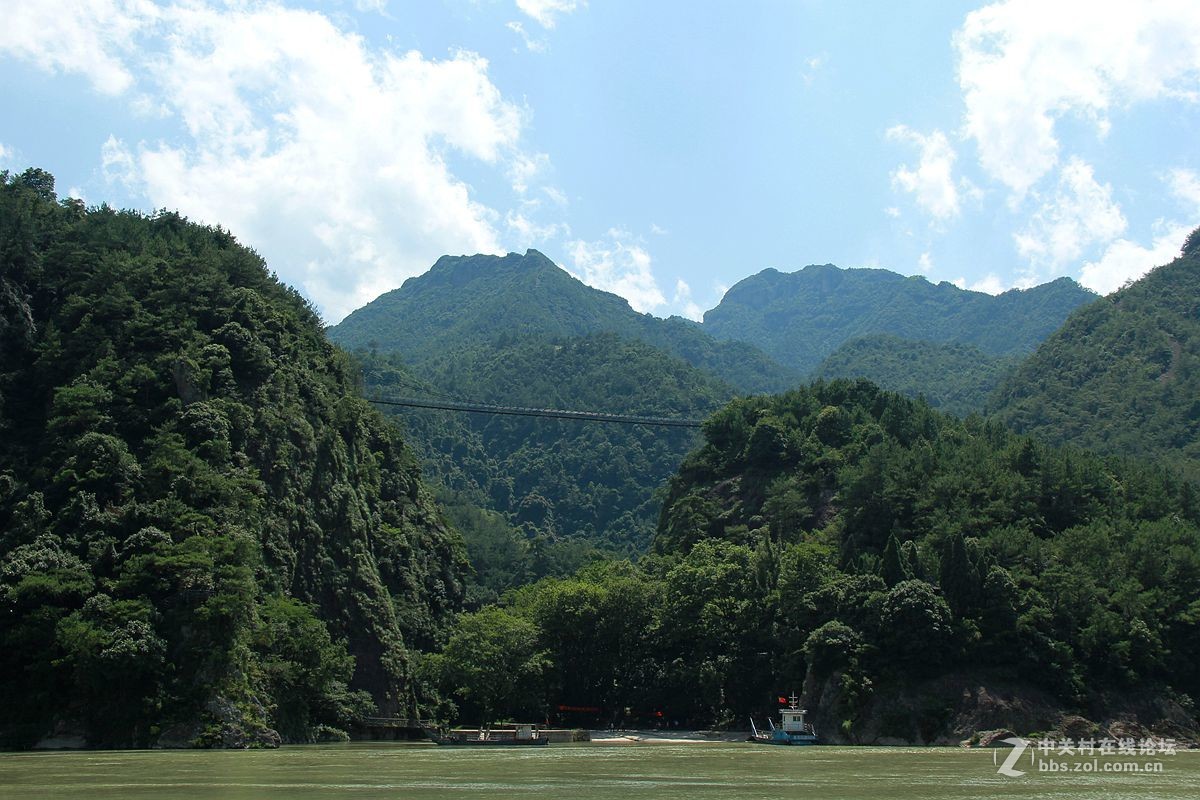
(364, 771)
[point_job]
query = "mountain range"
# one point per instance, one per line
(208, 537)
(519, 330)
(801, 317)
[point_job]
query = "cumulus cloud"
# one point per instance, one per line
(1125, 261)
(619, 265)
(989, 284)
(931, 182)
(6, 153)
(326, 155)
(1078, 215)
(84, 38)
(546, 12)
(1024, 64)
(925, 263)
(684, 302)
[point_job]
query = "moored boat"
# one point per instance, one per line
(792, 729)
(517, 736)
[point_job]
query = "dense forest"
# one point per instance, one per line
(955, 378)
(893, 559)
(801, 317)
(1123, 373)
(555, 479)
(208, 538)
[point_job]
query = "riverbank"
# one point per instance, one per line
(665, 736)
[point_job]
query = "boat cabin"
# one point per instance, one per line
(792, 720)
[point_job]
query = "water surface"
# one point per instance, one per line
(580, 772)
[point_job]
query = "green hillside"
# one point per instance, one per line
(801, 317)
(955, 378)
(207, 538)
(928, 578)
(557, 479)
(1123, 374)
(467, 301)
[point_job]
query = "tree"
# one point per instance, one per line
(493, 663)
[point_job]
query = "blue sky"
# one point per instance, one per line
(659, 150)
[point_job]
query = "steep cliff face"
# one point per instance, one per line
(206, 535)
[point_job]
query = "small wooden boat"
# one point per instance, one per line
(792, 730)
(518, 736)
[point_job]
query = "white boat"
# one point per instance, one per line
(792, 729)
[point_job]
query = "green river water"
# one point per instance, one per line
(578, 772)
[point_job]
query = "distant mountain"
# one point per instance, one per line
(464, 301)
(955, 378)
(1122, 376)
(799, 318)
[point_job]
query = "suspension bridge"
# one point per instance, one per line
(552, 413)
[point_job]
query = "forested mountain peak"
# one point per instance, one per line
(465, 269)
(801, 317)
(1122, 375)
(467, 301)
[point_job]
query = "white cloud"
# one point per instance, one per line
(87, 38)
(931, 182)
(989, 284)
(531, 44)
(1124, 260)
(1080, 214)
(556, 195)
(526, 232)
(6, 153)
(657, 230)
(1184, 184)
(326, 155)
(812, 65)
(892, 212)
(1024, 64)
(524, 168)
(925, 263)
(616, 264)
(684, 302)
(546, 12)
